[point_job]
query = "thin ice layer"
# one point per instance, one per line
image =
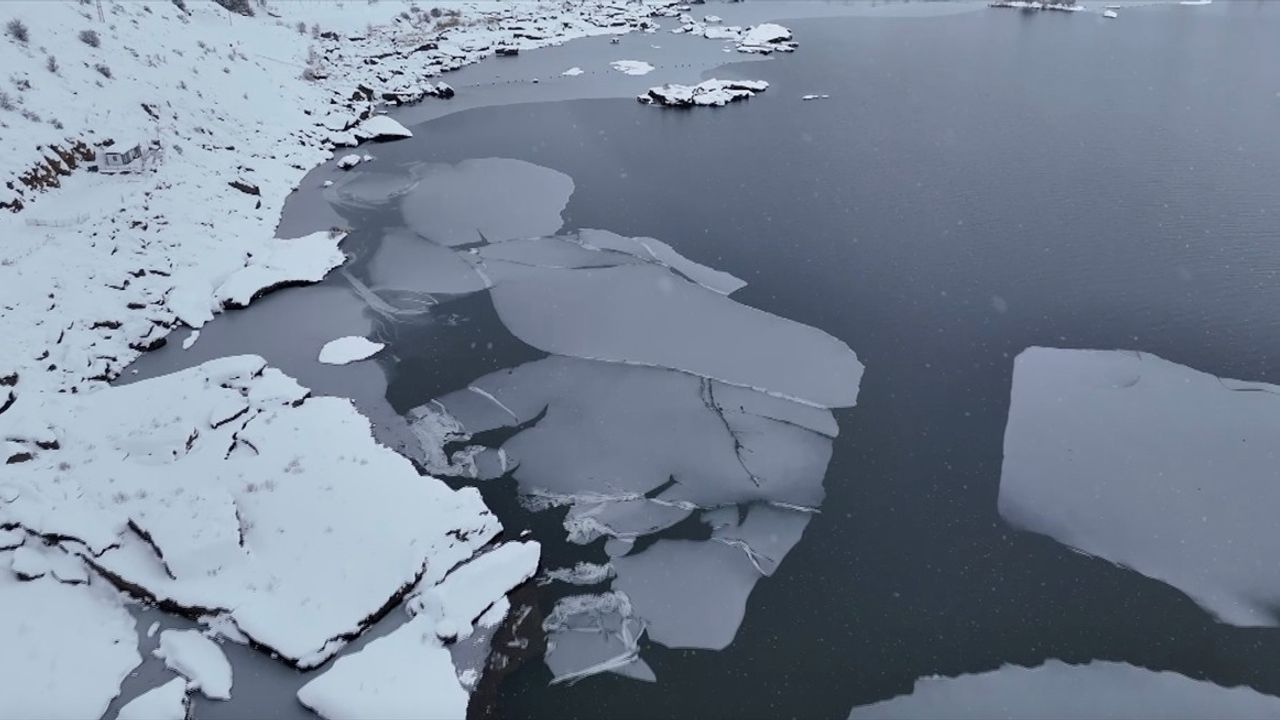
(333, 528)
(404, 261)
(199, 659)
(645, 315)
(1058, 691)
(406, 675)
(490, 199)
(1153, 465)
(601, 426)
(64, 649)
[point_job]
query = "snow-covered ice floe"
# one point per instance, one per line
(64, 648)
(349, 349)
(381, 128)
(1156, 466)
(226, 491)
(822, 96)
(199, 660)
(1055, 691)
(287, 262)
(693, 406)
(632, 67)
(707, 92)
(767, 38)
(572, 72)
(410, 673)
(1038, 5)
(169, 701)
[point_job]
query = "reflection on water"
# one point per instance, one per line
(663, 403)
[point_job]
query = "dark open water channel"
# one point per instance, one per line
(975, 185)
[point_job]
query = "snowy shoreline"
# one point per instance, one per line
(122, 260)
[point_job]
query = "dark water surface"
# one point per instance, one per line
(975, 185)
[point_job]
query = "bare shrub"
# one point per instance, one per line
(51, 64)
(90, 38)
(6, 102)
(103, 70)
(302, 28)
(17, 30)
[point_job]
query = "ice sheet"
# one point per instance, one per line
(1058, 691)
(490, 199)
(1153, 465)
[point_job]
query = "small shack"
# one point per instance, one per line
(134, 159)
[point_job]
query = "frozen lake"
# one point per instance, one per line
(975, 184)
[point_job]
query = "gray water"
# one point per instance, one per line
(975, 185)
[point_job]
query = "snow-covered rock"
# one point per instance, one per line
(348, 349)
(169, 701)
(632, 67)
(381, 128)
(1098, 690)
(708, 92)
(767, 38)
(64, 649)
(299, 529)
(285, 262)
(199, 660)
(1152, 465)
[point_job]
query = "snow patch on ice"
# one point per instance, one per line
(349, 349)
(572, 72)
(632, 67)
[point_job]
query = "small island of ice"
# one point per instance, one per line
(348, 350)
(632, 67)
(708, 92)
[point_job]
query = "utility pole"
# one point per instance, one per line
(100, 17)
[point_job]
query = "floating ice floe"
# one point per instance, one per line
(190, 339)
(632, 67)
(1152, 465)
(572, 72)
(348, 161)
(708, 92)
(490, 199)
(1037, 5)
(169, 701)
(405, 675)
(410, 673)
(815, 97)
(199, 660)
(226, 492)
(64, 648)
(382, 128)
(349, 349)
(664, 402)
(1096, 691)
(766, 38)
(288, 262)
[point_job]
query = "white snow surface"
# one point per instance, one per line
(1153, 465)
(166, 702)
(64, 649)
(227, 490)
(1099, 690)
(632, 67)
(349, 349)
(199, 659)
